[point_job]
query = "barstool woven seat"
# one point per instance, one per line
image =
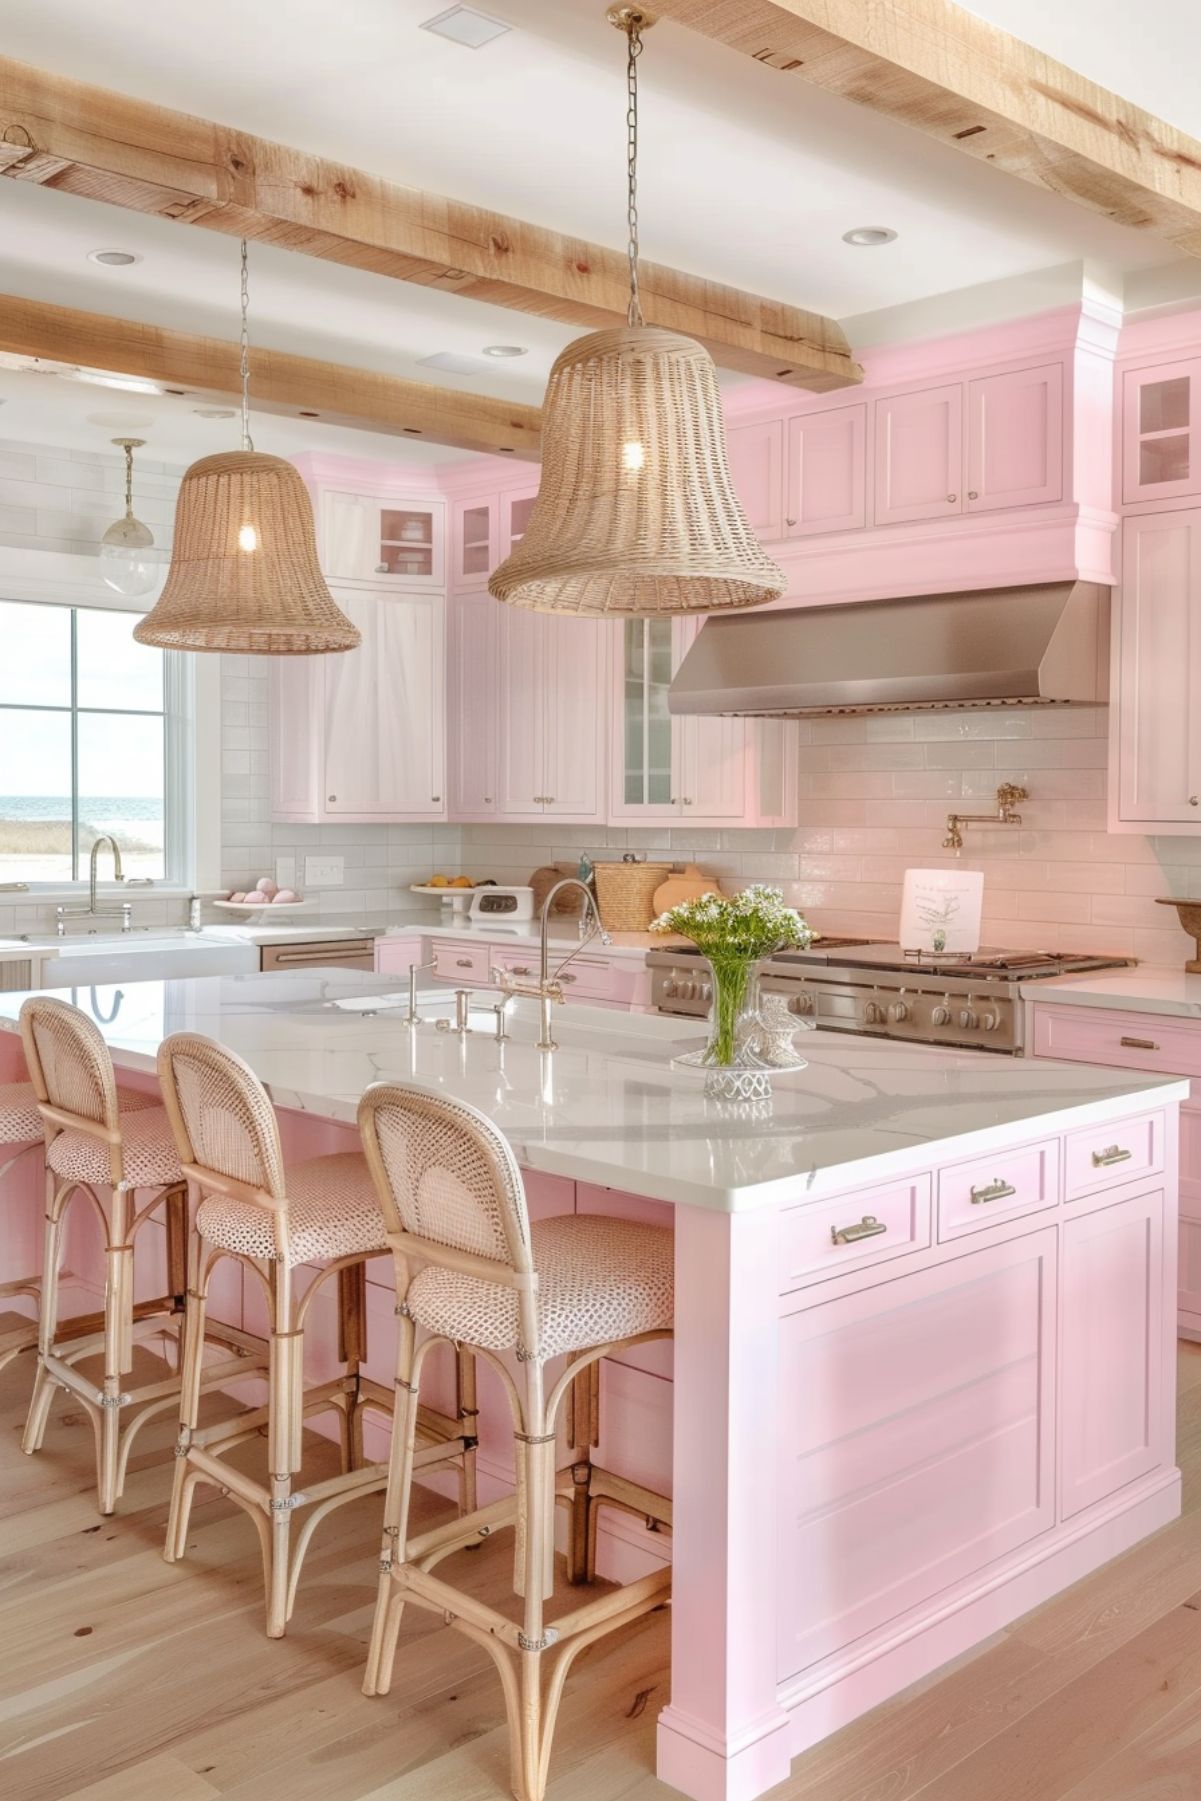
(598, 1279)
(148, 1153)
(114, 1149)
(471, 1270)
(332, 1212)
(271, 1218)
(20, 1121)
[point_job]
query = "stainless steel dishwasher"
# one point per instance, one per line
(328, 953)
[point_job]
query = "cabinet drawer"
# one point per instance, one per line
(464, 962)
(1107, 1156)
(869, 1227)
(999, 1187)
(1171, 1047)
(620, 981)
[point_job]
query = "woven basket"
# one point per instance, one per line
(626, 893)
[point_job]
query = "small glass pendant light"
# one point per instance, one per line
(244, 574)
(636, 516)
(130, 561)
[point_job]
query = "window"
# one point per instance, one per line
(83, 743)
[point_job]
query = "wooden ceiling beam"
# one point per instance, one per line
(208, 369)
(106, 146)
(958, 78)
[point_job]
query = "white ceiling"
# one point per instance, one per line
(746, 176)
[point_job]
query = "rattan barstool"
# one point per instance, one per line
(21, 1135)
(272, 1219)
(472, 1272)
(114, 1147)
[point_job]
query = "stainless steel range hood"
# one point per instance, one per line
(1034, 646)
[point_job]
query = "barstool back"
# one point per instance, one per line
(72, 1074)
(450, 1190)
(224, 1125)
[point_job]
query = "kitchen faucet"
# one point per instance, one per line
(91, 911)
(1008, 795)
(549, 991)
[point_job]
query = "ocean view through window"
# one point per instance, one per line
(82, 743)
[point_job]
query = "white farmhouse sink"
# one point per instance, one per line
(147, 956)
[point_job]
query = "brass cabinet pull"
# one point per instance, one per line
(520, 969)
(463, 962)
(992, 1191)
(1115, 1154)
(1139, 1044)
(869, 1227)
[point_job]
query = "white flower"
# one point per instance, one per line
(753, 923)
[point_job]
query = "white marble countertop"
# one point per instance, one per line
(607, 1107)
(1147, 988)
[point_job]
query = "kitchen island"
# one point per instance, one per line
(923, 1372)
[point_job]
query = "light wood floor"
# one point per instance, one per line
(122, 1679)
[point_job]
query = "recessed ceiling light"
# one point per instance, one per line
(214, 412)
(452, 363)
(463, 25)
(867, 237)
(113, 259)
(505, 350)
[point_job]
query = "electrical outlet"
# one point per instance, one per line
(323, 872)
(285, 872)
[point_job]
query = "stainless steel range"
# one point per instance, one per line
(852, 985)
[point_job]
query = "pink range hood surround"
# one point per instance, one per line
(1042, 645)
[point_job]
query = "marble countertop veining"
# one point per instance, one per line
(607, 1107)
(1147, 988)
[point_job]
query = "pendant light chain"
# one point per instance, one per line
(128, 479)
(244, 365)
(633, 28)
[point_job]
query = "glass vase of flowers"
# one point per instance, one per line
(734, 935)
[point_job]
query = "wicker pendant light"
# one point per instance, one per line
(636, 515)
(244, 574)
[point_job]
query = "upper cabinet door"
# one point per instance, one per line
(574, 688)
(919, 455)
(644, 733)
(386, 542)
(473, 543)
(827, 475)
(755, 455)
(472, 689)
(711, 755)
(521, 748)
(515, 510)
(1161, 431)
(1159, 663)
(384, 726)
(1015, 439)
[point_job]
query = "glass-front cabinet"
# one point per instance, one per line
(383, 541)
(703, 772)
(1162, 431)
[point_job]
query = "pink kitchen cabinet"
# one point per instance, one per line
(385, 538)
(1015, 438)
(1155, 773)
(925, 1448)
(919, 455)
(1161, 431)
(755, 454)
(551, 716)
(1113, 1420)
(473, 689)
(473, 540)
(826, 484)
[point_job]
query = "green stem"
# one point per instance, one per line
(731, 979)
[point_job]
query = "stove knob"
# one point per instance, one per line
(899, 1011)
(941, 1015)
(670, 987)
(706, 992)
(801, 1003)
(688, 990)
(873, 1014)
(990, 1022)
(968, 1019)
